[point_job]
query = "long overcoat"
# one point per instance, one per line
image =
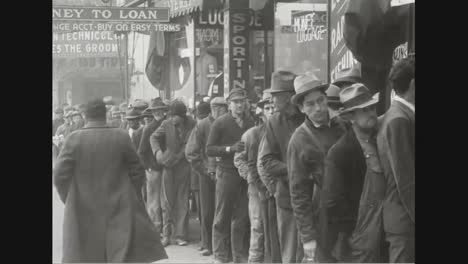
(98, 176)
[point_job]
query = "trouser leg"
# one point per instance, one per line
(257, 238)
(154, 192)
(207, 206)
(181, 211)
(240, 221)
(273, 231)
(291, 248)
(168, 197)
(225, 193)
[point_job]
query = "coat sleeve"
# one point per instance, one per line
(240, 160)
(213, 149)
(251, 146)
(301, 187)
(156, 138)
(270, 167)
(332, 199)
(64, 167)
(136, 171)
(193, 152)
(144, 149)
(401, 158)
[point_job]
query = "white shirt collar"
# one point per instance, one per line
(403, 101)
(319, 125)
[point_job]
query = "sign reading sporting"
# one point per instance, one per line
(158, 14)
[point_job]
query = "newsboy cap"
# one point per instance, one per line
(237, 93)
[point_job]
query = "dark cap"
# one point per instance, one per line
(237, 93)
(203, 109)
(178, 108)
(157, 104)
(282, 81)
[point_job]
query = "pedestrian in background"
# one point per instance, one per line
(105, 218)
(396, 148)
(115, 120)
(168, 145)
(231, 215)
(206, 170)
(153, 169)
(306, 154)
(58, 119)
(272, 161)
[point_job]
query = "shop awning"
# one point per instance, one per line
(373, 29)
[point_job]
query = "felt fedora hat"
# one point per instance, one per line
(157, 104)
(282, 81)
(237, 93)
(218, 101)
(147, 113)
(349, 75)
(356, 96)
(333, 94)
(306, 83)
(132, 114)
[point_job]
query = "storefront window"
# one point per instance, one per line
(301, 40)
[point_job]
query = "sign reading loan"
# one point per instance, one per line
(159, 14)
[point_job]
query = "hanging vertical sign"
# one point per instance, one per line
(236, 28)
(340, 56)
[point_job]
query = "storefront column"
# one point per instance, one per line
(236, 45)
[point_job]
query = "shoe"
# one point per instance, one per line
(181, 242)
(165, 242)
(206, 252)
(200, 248)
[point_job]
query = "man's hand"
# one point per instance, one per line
(309, 251)
(238, 147)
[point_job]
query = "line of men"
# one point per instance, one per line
(321, 178)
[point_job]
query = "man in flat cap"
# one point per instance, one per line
(58, 119)
(153, 169)
(205, 167)
(272, 161)
(98, 176)
(231, 215)
(306, 153)
(168, 145)
(396, 146)
(260, 249)
(352, 191)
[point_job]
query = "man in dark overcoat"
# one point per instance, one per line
(395, 143)
(98, 176)
(353, 184)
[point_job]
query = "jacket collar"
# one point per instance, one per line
(408, 112)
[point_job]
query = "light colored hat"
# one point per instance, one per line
(333, 94)
(237, 93)
(132, 114)
(218, 101)
(351, 75)
(305, 83)
(356, 96)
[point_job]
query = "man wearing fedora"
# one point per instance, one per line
(306, 153)
(135, 130)
(272, 161)
(168, 145)
(153, 169)
(147, 116)
(353, 185)
(349, 76)
(231, 215)
(98, 176)
(395, 142)
(260, 249)
(206, 169)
